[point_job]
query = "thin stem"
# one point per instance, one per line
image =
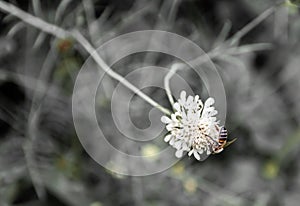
(237, 36)
(248, 48)
(34, 21)
(223, 48)
(61, 33)
(220, 49)
(90, 49)
(29, 156)
(167, 78)
(60, 9)
(223, 34)
(33, 120)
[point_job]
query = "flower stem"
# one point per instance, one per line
(61, 33)
(167, 78)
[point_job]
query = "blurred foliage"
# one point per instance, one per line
(283, 157)
(37, 74)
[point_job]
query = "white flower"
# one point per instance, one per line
(193, 127)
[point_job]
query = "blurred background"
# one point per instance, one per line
(41, 159)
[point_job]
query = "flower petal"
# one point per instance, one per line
(185, 147)
(189, 100)
(210, 101)
(196, 155)
(170, 127)
(172, 141)
(173, 117)
(213, 113)
(176, 106)
(177, 145)
(183, 95)
(165, 119)
(167, 138)
(190, 152)
(179, 153)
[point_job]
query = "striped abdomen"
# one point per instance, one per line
(222, 136)
(222, 139)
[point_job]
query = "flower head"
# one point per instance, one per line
(193, 127)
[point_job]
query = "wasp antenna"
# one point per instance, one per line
(230, 142)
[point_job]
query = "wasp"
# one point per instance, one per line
(221, 142)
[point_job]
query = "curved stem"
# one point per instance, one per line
(61, 33)
(90, 49)
(167, 78)
(246, 29)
